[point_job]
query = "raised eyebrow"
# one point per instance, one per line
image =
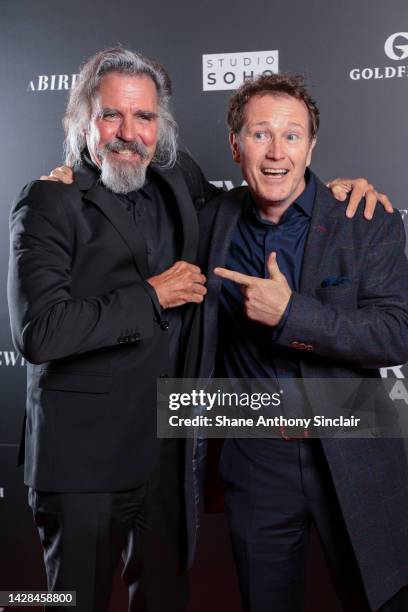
(298, 125)
(266, 123)
(260, 123)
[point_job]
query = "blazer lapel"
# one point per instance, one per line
(174, 179)
(229, 211)
(228, 214)
(112, 209)
(322, 229)
(94, 192)
(130, 233)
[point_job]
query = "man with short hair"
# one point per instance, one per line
(296, 290)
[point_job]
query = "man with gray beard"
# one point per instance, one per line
(119, 177)
(102, 295)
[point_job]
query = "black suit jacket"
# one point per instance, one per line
(83, 316)
(343, 331)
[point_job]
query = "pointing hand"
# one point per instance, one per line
(265, 299)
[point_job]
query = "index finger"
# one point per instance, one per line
(236, 277)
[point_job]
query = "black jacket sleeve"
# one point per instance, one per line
(47, 321)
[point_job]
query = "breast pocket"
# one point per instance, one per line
(339, 295)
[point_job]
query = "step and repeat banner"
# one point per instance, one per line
(355, 59)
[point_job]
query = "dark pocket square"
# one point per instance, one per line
(333, 281)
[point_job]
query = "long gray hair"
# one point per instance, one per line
(79, 108)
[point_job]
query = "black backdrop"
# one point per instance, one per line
(355, 58)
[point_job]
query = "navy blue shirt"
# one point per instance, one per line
(248, 349)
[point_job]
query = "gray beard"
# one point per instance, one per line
(122, 177)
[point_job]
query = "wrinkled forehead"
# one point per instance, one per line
(116, 89)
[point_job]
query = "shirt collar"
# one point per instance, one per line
(303, 203)
(305, 200)
(145, 190)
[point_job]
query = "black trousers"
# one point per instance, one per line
(84, 536)
(275, 490)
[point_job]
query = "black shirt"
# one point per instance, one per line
(154, 210)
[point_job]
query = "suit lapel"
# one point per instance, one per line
(326, 212)
(227, 217)
(228, 213)
(133, 237)
(113, 210)
(322, 229)
(175, 180)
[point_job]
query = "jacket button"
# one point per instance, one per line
(164, 325)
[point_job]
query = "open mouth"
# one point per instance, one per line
(127, 151)
(124, 153)
(275, 172)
